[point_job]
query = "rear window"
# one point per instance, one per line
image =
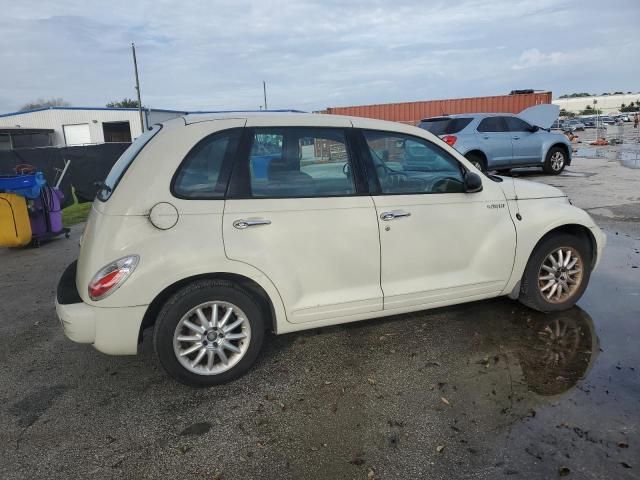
(444, 126)
(126, 159)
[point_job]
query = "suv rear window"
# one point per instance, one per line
(444, 125)
(126, 159)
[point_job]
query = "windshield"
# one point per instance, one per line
(445, 125)
(117, 171)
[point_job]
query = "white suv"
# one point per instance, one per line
(213, 229)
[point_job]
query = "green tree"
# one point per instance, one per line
(124, 103)
(591, 111)
(566, 113)
(576, 95)
(45, 103)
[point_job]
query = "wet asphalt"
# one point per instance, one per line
(488, 389)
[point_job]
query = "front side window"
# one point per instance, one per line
(514, 124)
(300, 162)
(492, 124)
(200, 174)
(409, 165)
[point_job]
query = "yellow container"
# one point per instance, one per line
(15, 229)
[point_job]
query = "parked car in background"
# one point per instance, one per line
(501, 141)
(573, 126)
(606, 120)
(350, 219)
(588, 122)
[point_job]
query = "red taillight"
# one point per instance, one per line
(109, 278)
(450, 140)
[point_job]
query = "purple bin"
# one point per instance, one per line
(45, 213)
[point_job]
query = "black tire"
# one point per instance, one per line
(550, 165)
(477, 160)
(191, 296)
(530, 287)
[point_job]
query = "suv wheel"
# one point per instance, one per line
(208, 333)
(477, 161)
(555, 161)
(557, 273)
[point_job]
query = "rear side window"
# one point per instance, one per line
(120, 167)
(492, 124)
(444, 125)
(202, 175)
(300, 162)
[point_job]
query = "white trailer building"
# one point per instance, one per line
(606, 103)
(87, 125)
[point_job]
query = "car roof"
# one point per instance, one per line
(470, 115)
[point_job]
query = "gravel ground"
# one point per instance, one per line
(475, 391)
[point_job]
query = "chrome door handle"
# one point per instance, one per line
(242, 224)
(386, 216)
(516, 138)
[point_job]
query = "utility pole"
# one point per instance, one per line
(135, 68)
(264, 90)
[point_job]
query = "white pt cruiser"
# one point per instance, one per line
(214, 229)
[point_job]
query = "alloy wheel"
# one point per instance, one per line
(557, 161)
(560, 274)
(212, 338)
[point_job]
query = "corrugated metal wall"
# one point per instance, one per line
(413, 112)
(55, 119)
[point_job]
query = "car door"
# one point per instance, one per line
(297, 210)
(439, 245)
(527, 145)
(495, 141)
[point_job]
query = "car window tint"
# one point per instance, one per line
(491, 124)
(409, 165)
(199, 175)
(444, 125)
(515, 124)
(300, 162)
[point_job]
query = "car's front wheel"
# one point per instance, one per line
(208, 333)
(477, 161)
(557, 273)
(555, 161)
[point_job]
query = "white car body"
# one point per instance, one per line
(322, 261)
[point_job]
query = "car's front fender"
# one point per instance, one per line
(539, 217)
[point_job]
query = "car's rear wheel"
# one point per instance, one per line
(477, 161)
(557, 273)
(208, 333)
(556, 161)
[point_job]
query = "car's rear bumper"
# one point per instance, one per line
(110, 330)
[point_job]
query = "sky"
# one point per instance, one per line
(214, 55)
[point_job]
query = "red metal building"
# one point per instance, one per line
(413, 112)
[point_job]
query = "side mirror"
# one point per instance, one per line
(472, 183)
(534, 128)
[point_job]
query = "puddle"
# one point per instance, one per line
(629, 158)
(628, 155)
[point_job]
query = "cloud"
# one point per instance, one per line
(533, 58)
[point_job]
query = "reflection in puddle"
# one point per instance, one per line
(558, 351)
(630, 158)
(628, 155)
